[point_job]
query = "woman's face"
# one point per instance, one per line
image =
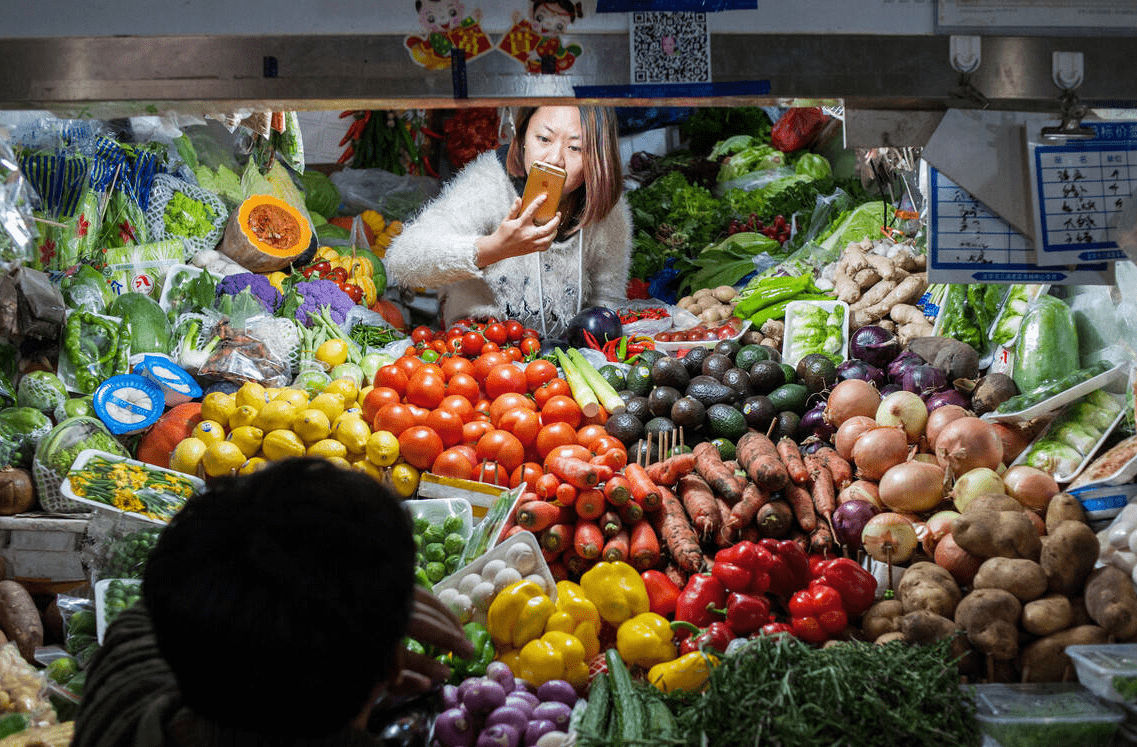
(555, 136)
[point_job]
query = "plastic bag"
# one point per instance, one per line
(241, 357)
(396, 197)
(142, 268)
(18, 232)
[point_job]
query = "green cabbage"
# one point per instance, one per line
(320, 195)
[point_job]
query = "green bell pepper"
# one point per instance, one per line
(475, 666)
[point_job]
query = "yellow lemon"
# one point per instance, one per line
(348, 388)
(352, 433)
(275, 415)
(298, 398)
(364, 465)
(363, 390)
(242, 416)
(382, 448)
(331, 404)
(187, 455)
(248, 439)
(311, 425)
(403, 479)
(281, 444)
(339, 462)
(222, 458)
(351, 412)
(209, 431)
(328, 448)
(332, 352)
(251, 393)
(251, 466)
(218, 406)
(272, 392)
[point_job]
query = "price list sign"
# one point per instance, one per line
(969, 243)
(1080, 188)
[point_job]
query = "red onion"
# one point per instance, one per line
(856, 369)
(874, 344)
(905, 410)
(947, 397)
(923, 380)
(849, 521)
(850, 398)
(967, 443)
(878, 450)
(912, 486)
(888, 389)
(940, 417)
(902, 363)
(813, 423)
(848, 433)
(1030, 486)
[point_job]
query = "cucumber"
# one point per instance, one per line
(1047, 348)
(662, 720)
(630, 721)
(592, 725)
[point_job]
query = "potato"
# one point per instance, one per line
(993, 502)
(19, 618)
(1111, 601)
(724, 293)
(1069, 552)
(991, 619)
(714, 314)
(883, 617)
(895, 635)
(1023, 578)
(1047, 615)
(1045, 660)
(927, 586)
(989, 534)
(1063, 507)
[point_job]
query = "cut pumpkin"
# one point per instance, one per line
(265, 233)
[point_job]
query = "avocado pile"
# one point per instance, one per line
(715, 394)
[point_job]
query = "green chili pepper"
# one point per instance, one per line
(122, 352)
(771, 292)
(87, 359)
(484, 653)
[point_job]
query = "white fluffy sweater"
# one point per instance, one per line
(436, 250)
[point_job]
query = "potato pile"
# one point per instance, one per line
(711, 305)
(1012, 589)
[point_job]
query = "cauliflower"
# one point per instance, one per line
(311, 295)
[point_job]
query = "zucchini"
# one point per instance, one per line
(593, 723)
(662, 720)
(1047, 348)
(630, 721)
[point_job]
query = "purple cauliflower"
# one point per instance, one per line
(258, 286)
(320, 292)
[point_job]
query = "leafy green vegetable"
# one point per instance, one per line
(727, 262)
(814, 166)
(672, 218)
(222, 181)
(186, 216)
(707, 126)
(863, 221)
(756, 156)
(321, 196)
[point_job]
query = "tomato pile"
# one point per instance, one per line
(470, 338)
(702, 332)
(324, 270)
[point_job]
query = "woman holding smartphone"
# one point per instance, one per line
(489, 254)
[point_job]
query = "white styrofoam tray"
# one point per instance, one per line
(793, 309)
(502, 552)
(87, 454)
(1059, 400)
(1086, 459)
(672, 347)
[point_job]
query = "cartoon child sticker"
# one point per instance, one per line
(447, 26)
(531, 39)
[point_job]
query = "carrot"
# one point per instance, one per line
(560, 573)
(576, 472)
(546, 485)
(841, 472)
(699, 502)
(587, 540)
(617, 547)
(617, 490)
(673, 526)
(821, 540)
(743, 512)
(613, 459)
(775, 519)
(566, 495)
(790, 453)
(644, 546)
(725, 536)
(801, 502)
(677, 575)
(549, 555)
(538, 515)
(759, 457)
(824, 493)
(575, 564)
(590, 504)
(630, 512)
(800, 538)
(512, 531)
(557, 537)
(709, 466)
(610, 523)
(644, 491)
(671, 469)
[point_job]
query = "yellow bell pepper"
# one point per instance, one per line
(554, 656)
(276, 280)
(368, 285)
(645, 640)
(518, 614)
(616, 589)
(576, 614)
(688, 672)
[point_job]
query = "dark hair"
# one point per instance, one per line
(573, 9)
(279, 598)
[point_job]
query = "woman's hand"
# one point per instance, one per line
(431, 624)
(518, 234)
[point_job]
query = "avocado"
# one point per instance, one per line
(651, 356)
(694, 358)
(668, 371)
(661, 399)
(759, 412)
(729, 348)
(774, 353)
(791, 397)
(641, 453)
(716, 365)
(613, 376)
(725, 447)
(638, 406)
(638, 378)
(658, 425)
(748, 355)
(709, 391)
(726, 422)
(790, 373)
(626, 427)
(688, 412)
(786, 424)
(817, 371)
(738, 380)
(766, 376)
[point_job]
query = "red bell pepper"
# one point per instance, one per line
(702, 594)
(790, 570)
(717, 635)
(746, 613)
(744, 567)
(817, 613)
(662, 592)
(775, 628)
(856, 586)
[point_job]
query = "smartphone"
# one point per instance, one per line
(547, 180)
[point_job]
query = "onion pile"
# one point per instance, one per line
(849, 432)
(904, 410)
(499, 710)
(878, 450)
(851, 398)
(967, 443)
(1030, 486)
(912, 486)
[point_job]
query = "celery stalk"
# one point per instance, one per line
(609, 399)
(581, 391)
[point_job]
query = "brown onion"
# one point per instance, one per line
(1030, 486)
(974, 483)
(861, 490)
(967, 443)
(912, 486)
(877, 450)
(906, 410)
(940, 417)
(848, 433)
(938, 526)
(889, 538)
(850, 398)
(1014, 441)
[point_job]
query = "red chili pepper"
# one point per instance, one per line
(592, 341)
(347, 154)
(345, 114)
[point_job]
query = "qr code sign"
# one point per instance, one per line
(670, 48)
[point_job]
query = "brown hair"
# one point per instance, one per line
(574, 10)
(603, 175)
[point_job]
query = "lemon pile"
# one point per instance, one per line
(241, 432)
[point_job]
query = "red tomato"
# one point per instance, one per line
(447, 424)
(426, 388)
(539, 372)
(491, 472)
(487, 360)
(473, 430)
(514, 330)
(377, 398)
(459, 405)
(392, 376)
(421, 333)
(395, 418)
(472, 343)
(529, 346)
(521, 422)
(504, 378)
(496, 333)
(553, 435)
(559, 409)
(456, 364)
(587, 435)
(526, 472)
(419, 445)
(509, 401)
(550, 389)
(453, 463)
(502, 447)
(463, 385)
